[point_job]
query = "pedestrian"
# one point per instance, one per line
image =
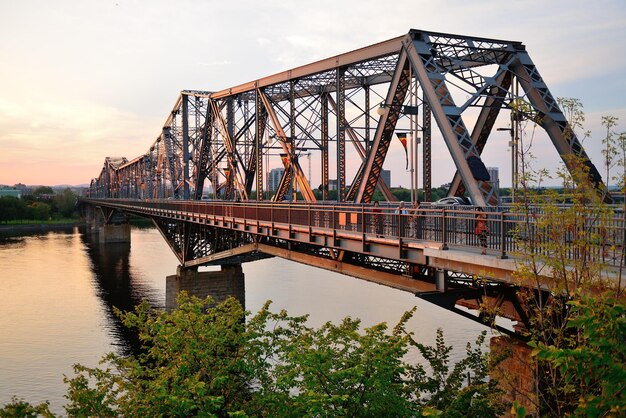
(482, 229)
(400, 220)
(416, 220)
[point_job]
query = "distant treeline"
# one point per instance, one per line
(39, 206)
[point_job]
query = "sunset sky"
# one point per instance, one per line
(82, 80)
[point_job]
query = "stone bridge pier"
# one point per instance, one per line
(111, 225)
(220, 285)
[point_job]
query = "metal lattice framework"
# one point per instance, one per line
(330, 111)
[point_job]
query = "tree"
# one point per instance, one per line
(39, 211)
(609, 151)
(595, 367)
(65, 203)
(43, 190)
(566, 242)
(204, 359)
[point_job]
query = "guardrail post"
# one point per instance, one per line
(444, 231)
(502, 237)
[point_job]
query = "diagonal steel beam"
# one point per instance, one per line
(387, 123)
(484, 124)
(448, 116)
(553, 120)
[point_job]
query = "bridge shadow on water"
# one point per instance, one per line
(117, 288)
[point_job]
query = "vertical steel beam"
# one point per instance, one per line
(427, 151)
(261, 120)
(341, 134)
(324, 115)
(185, 147)
(368, 118)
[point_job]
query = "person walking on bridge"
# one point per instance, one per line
(481, 229)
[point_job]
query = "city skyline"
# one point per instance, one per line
(86, 81)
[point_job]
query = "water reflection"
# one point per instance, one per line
(115, 286)
(58, 290)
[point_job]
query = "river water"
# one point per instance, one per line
(58, 290)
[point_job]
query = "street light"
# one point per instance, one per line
(513, 145)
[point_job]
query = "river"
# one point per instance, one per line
(58, 290)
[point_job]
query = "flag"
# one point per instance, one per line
(402, 137)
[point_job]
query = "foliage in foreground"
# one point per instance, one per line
(594, 368)
(200, 361)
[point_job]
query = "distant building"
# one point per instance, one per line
(275, 175)
(494, 179)
(26, 191)
(386, 176)
(10, 191)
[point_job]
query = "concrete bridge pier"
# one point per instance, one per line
(109, 233)
(220, 285)
(111, 225)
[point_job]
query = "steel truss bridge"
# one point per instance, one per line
(342, 113)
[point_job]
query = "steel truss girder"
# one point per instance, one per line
(382, 186)
(190, 241)
(180, 159)
(235, 178)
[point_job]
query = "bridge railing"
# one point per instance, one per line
(507, 231)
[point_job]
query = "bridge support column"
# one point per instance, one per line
(517, 373)
(220, 285)
(109, 233)
(441, 282)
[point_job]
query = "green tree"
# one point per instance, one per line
(207, 360)
(565, 243)
(19, 408)
(42, 190)
(609, 152)
(65, 203)
(595, 367)
(39, 211)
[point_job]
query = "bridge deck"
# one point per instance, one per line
(439, 238)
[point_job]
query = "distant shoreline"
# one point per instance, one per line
(39, 227)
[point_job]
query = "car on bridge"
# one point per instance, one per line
(452, 201)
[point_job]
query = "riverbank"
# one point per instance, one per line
(39, 227)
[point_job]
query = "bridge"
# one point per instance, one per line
(348, 106)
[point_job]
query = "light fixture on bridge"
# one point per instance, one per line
(406, 110)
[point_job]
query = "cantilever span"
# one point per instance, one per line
(339, 115)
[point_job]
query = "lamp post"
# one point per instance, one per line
(513, 145)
